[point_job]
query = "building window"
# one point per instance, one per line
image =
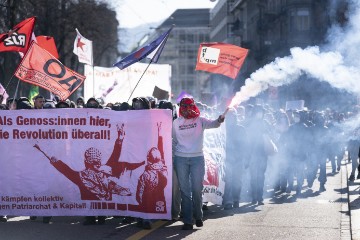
(300, 19)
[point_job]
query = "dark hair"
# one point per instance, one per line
(80, 98)
(163, 104)
(23, 105)
(152, 101)
(72, 104)
(23, 99)
(10, 100)
(63, 104)
(125, 106)
(3, 107)
(49, 104)
(145, 102)
(90, 105)
(38, 96)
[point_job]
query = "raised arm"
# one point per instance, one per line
(61, 167)
(115, 155)
(66, 170)
(160, 144)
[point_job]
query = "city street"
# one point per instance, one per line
(311, 215)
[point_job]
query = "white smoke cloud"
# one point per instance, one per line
(333, 63)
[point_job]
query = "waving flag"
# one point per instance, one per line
(83, 49)
(151, 51)
(221, 58)
(18, 39)
(40, 68)
(48, 43)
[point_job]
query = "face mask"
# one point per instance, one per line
(188, 108)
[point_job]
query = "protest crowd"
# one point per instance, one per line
(268, 150)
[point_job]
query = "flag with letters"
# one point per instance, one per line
(18, 39)
(151, 51)
(40, 68)
(83, 48)
(221, 58)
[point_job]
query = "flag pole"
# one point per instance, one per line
(139, 80)
(93, 67)
(5, 88)
(16, 90)
(93, 76)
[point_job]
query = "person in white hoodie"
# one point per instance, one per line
(188, 137)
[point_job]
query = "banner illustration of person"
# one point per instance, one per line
(153, 180)
(96, 181)
(80, 162)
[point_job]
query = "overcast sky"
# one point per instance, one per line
(132, 13)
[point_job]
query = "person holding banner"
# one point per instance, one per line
(11, 103)
(92, 103)
(39, 101)
(176, 195)
(188, 137)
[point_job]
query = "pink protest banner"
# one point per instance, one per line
(214, 154)
(86, 162)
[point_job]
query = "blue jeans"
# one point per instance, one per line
(190, 171)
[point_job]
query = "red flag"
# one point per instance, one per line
(221, 58)
(18, 39)
(48, 43)
(40, 68)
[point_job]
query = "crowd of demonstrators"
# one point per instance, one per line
(236, 155)
(305, 140)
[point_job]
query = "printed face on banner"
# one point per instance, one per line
(209, 55)
(86, 164)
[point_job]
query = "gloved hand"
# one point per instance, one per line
(221, 119)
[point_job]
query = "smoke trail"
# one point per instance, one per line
(336, 65)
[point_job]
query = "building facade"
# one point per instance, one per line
(268, 28)
(190, 28)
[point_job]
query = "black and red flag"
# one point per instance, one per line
(18, 39)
